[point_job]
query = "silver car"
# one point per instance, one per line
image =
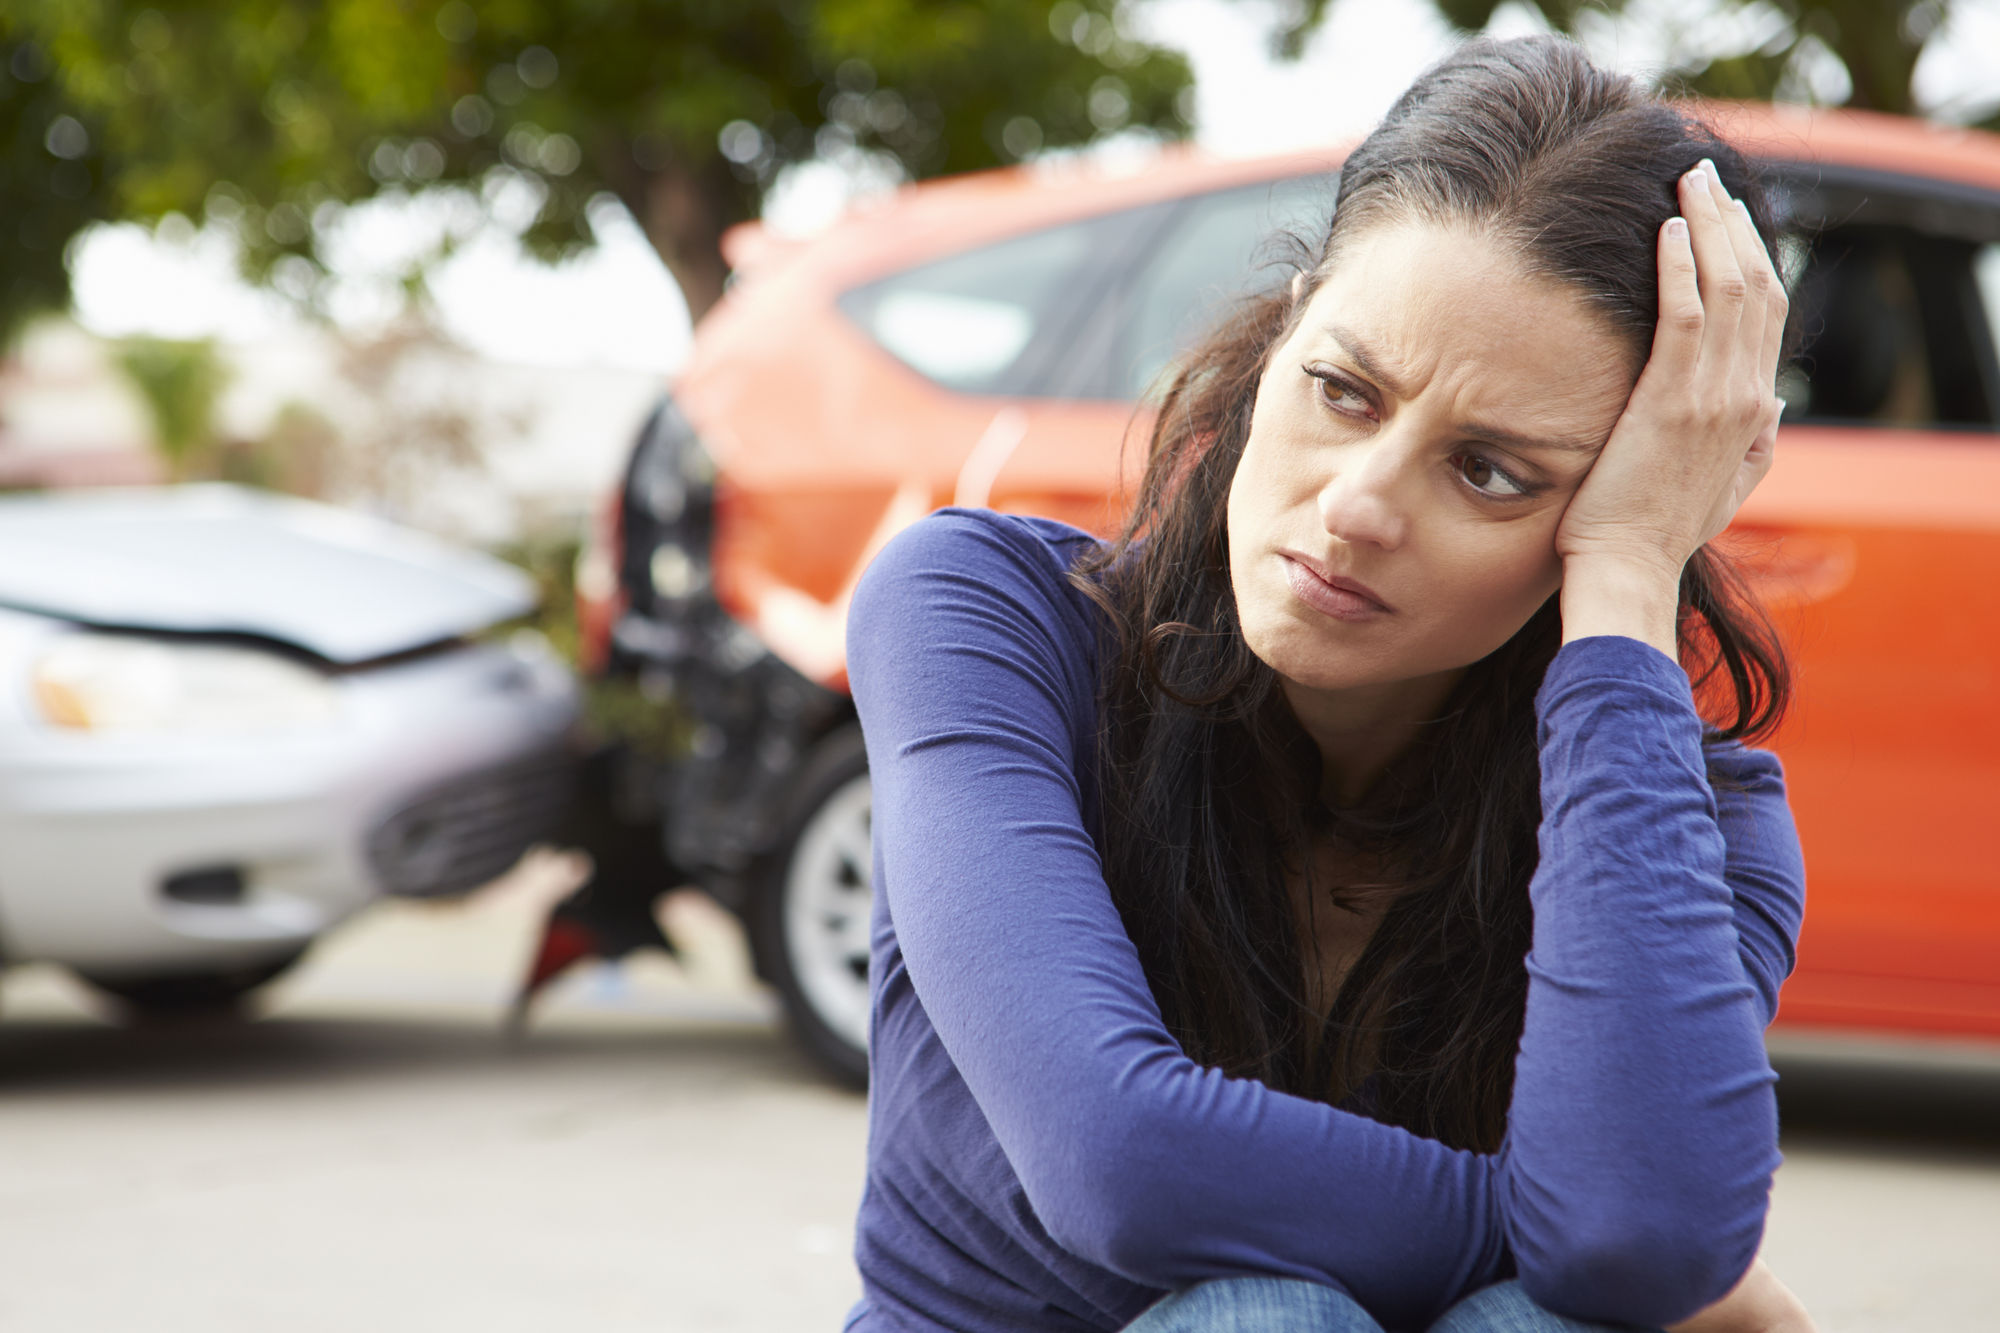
(229, 720)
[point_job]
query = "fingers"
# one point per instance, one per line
(1764, 300)
(1777, 305)
(1763, 449)
(1723, 288)
(1743, 299)
(1677, 340)
(1747, 251)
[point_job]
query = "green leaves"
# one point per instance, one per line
(180, 383)
(268, 115)
(1877, 42)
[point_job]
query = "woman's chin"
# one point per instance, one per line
(1310, 656)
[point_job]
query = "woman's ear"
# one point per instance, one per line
(1298, 284)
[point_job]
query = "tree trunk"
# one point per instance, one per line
(1880, 58)
(684, 212)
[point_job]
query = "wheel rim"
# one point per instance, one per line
(827, 901)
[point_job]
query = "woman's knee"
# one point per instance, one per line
(1256, 1305)
(1506, 1308)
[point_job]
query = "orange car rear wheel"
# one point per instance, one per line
(814, 897)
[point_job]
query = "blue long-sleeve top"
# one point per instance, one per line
(1042, 1155)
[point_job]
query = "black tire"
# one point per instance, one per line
(179, 995)
(809, 920)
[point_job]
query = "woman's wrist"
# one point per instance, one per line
(1620, 595)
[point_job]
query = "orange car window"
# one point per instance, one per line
(1986, 281)
(969, 321)
(1896, 333)
(1224, 245)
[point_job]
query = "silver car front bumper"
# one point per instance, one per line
(432, 773)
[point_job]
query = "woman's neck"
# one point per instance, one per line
(1361, 731)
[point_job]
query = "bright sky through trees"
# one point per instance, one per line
(617, 305)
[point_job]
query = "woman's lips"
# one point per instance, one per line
(1330, 594)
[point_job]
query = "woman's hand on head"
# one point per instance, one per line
(1697, 433)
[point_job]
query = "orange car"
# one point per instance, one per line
(985, 340)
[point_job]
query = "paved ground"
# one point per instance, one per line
(372, 1155)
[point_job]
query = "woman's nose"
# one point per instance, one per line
(1360, 502)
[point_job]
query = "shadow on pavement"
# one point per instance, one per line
(1875, 1100)
(39, 1056)
(1903, 1102)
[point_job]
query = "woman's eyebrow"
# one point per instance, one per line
(1371, 362)
(1513, 439)
(1374, 366)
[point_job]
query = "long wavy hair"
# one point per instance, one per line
(1209, 785)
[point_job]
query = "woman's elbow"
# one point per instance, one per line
(1113, 1237)
(1110, 1206)
(1108, 1221)
(1635, 1271)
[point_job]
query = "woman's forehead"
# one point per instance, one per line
(1415, 305)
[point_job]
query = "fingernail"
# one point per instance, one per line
(1677, 227)
(1697, 179)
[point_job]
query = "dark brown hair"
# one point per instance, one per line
(1209, 785)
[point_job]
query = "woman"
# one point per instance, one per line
(1207, 861)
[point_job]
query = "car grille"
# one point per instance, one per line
(465, 833)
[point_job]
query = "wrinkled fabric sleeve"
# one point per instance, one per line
(1763, 864)
(1642, 1110)
(1663, 926)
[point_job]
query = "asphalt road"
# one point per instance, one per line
(372, 1154)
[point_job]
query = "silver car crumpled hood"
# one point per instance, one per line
(220, 559)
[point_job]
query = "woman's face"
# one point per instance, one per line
(1415, 439)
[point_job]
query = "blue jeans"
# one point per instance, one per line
(1287, 1305)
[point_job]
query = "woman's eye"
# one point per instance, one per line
(1337, 393)
(1487, 479)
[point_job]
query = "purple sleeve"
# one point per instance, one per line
(1764, 867)
(966, 671)
(1643, 1131)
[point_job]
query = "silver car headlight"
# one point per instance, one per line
(113, 682)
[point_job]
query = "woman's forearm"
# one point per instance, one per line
(1642, 1134)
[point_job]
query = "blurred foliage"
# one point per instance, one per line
(51, 178)
(413, 420)
(268, 115)
(1877, 42)
(300, 454)
(614, 706)
(180, 382)
(397, 426)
